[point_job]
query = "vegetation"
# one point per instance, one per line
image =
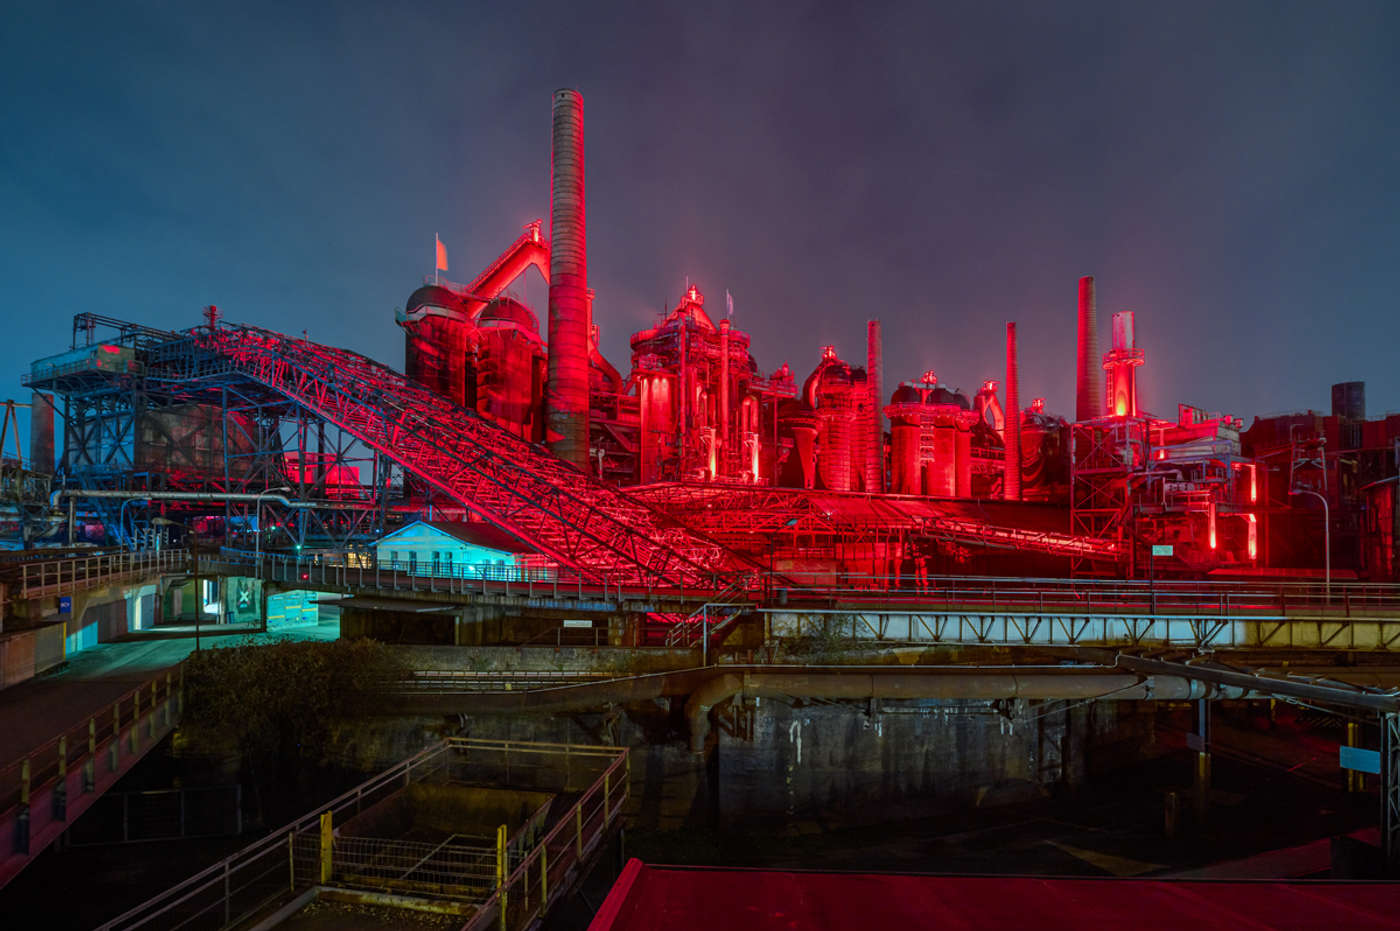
(279, 703)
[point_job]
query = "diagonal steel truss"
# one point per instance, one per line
(514, 484)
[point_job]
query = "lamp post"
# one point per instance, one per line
(1326, 537)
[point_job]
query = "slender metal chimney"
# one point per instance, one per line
(1011, 482)
(875, 448)
(1087, 402)
(566, 386)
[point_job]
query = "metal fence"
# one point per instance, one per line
(67, 576)
(94, 745)
(305, 854)
(1312, 597)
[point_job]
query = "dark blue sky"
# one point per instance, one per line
(1227, 170)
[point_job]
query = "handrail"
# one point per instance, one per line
(80, 744)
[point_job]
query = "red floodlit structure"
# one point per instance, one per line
(695, 462)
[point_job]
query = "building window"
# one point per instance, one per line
(447, 560)
(437, 562)
(393, 559)
(412, 562)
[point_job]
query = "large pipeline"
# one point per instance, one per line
(944, 682)
(1088, 403)
(566, 388)
(708, 686)
(1011, 480)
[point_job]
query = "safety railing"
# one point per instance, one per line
(525, 892)
(362, 572)
(463, 680)
(931, 592)
(68, 576)
(99, 747)
(310, 853)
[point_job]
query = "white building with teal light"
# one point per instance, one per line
(449, 548)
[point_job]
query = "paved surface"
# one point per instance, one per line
(34, 711)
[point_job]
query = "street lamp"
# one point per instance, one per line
(1326, 537)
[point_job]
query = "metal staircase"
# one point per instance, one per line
(515, 484)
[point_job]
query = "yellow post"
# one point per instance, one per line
(153, 708)
(544, 878)
(1355, 780)
(326, 845)
(501, 890)
(90, 770)
(24, 781)
(135, 718)
(62, 758)
(116, 733)
(578, 825)
(607, 792)
(1202, 784)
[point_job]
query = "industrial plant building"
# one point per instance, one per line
(834, 467)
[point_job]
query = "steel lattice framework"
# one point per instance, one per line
(514, 484)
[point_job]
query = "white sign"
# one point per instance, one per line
(1161, 549)
(578, 623)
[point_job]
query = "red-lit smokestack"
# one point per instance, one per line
(1011, 482)
(1087, 403)
(566, 388)
(875, 449)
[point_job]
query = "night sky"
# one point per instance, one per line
(1228, 170)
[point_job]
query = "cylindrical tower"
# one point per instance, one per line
(566, 388)
(1011, 481)
(1087, 403)
(875, 450)
(1121, 364)
(724, 392)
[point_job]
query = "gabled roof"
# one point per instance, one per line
(472, 534)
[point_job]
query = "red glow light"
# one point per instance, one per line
(1253, 544)
(111, 349)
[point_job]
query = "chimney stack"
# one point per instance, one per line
(1087, 403)
(1011, 482)
(875, 449)
(566, 385)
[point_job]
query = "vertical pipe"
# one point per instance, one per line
(1087, 403)
(1011, 482)
(875, 451)
(723, 441)
(566, 387)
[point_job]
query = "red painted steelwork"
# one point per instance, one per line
(1087, 402)
(566, 389)
(540, 500)
(1011, 481)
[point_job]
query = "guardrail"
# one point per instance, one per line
(523, 895)
(56, 781)
(67, 576)
(301, 856)
(938, 592)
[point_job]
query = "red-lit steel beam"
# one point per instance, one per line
(546, 503)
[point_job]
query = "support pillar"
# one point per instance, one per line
(1356, 781)
(1201, 743)
(1390, 792)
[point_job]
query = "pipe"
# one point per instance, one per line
(1011, 479)
(566, 387)
(945, 682)
(1087, 402)
(1265, 686)
(708, 687)
(167, 496)
(875, 450)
